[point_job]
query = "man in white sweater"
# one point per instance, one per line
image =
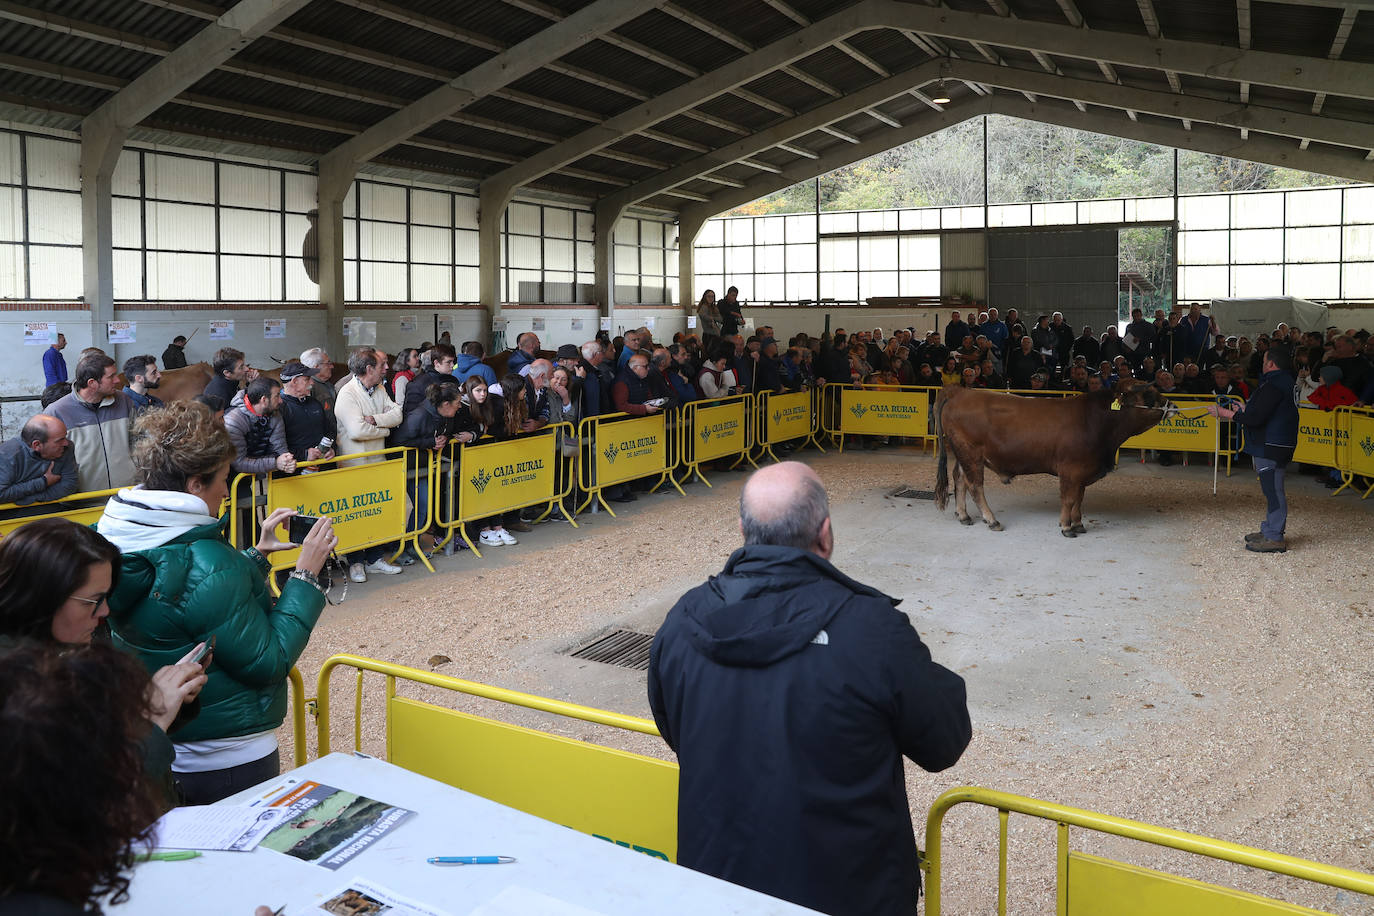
(366, 415)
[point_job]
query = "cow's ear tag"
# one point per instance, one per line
(1116, 405)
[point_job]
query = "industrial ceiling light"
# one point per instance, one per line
(941, 96)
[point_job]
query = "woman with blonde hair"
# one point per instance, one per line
(180, 583)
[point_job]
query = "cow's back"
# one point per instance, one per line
(1016, 435)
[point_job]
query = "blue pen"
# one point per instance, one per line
(470, 860)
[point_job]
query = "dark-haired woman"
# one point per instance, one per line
(181, 583)
(76, 807)
(429, 428)
(75, 797)
(485, 414)
(404, 367)
(55, 576)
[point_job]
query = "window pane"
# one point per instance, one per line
(250, 279)
(178, 276)
(1212, 212)
(1314, 208)
(1308, 245)
(1257, 210)
(54, 163)
(243, 186)
(249, 231)
(1312, 281)
(1202, 248)
(1256, 280)
(430, 208)
(1257, 246)
(55, 218)
(382, 282)
(430, 283)
(381, 201)
(180, 227)
(430, 245)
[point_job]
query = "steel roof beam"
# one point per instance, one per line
(1216, 141)
(1279, 122)
(780, 135)
(105, 130)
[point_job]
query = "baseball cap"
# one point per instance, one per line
(295, 369)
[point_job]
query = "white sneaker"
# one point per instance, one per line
(506, 537)
(380, 565)
(356, 572)
(492, 539)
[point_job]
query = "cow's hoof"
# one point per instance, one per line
(1068, 532)
(968, 520)
(1079, 529)
(996, 526)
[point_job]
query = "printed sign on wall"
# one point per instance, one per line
(40, 333)
(222, 330)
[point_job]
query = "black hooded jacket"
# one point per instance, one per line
(790, 694)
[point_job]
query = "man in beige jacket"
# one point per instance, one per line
(366, 415)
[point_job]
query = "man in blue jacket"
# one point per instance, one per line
(790, 694)
(1270, 419)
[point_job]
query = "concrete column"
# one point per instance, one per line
(604, 257)
(491, 205)
(332, 189)
(687, 231)
(101, 144)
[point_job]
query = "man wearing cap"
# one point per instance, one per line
(310, 428)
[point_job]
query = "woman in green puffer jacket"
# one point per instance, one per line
(180, 583)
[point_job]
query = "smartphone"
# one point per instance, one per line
(299, 526)
(206, 650)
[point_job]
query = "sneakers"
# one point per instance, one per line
(497, 537)
(1254, 537)
(380, 565)
(1265, 546)
(506, 537)
(356, 573)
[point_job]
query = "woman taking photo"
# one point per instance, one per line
(180, 583)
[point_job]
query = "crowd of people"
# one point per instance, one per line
(162, 648)
(433, 394)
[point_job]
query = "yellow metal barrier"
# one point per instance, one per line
(488, 478)
(299, 756)
(1093, 885)
(1355, 449)
(625, 798)
(720, 428)
(1319, 439)
(786, 417)
(1190, 430)
(624, 448)
(368, 502)
(68, 507)
(879, 410)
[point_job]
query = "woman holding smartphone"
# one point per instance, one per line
(54, 578)
(180, 582)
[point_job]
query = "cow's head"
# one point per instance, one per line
(1135, 393)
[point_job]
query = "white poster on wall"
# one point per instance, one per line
(536, 324)
(364, 333)
(575, 324)
(117, 332)
(649, 322)
(222, 330)
(445, 324)
(273, 328)
(408, 322)
(691, 321)
(605, 323)
(40, 333)
(498, 325)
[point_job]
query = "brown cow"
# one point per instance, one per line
(188, 382)
(1075, 439)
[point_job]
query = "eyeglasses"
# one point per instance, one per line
(95, 602)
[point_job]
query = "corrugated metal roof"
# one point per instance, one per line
(336, 67)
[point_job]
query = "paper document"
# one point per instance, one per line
(325, 825)
(360, 897)
(233, 828)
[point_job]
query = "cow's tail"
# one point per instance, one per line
(941, 458)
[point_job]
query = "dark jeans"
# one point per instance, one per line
(1271, 482)
(210, 786)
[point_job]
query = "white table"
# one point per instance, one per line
(554, 861)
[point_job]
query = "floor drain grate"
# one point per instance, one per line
(622, 648)
(909, 493)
